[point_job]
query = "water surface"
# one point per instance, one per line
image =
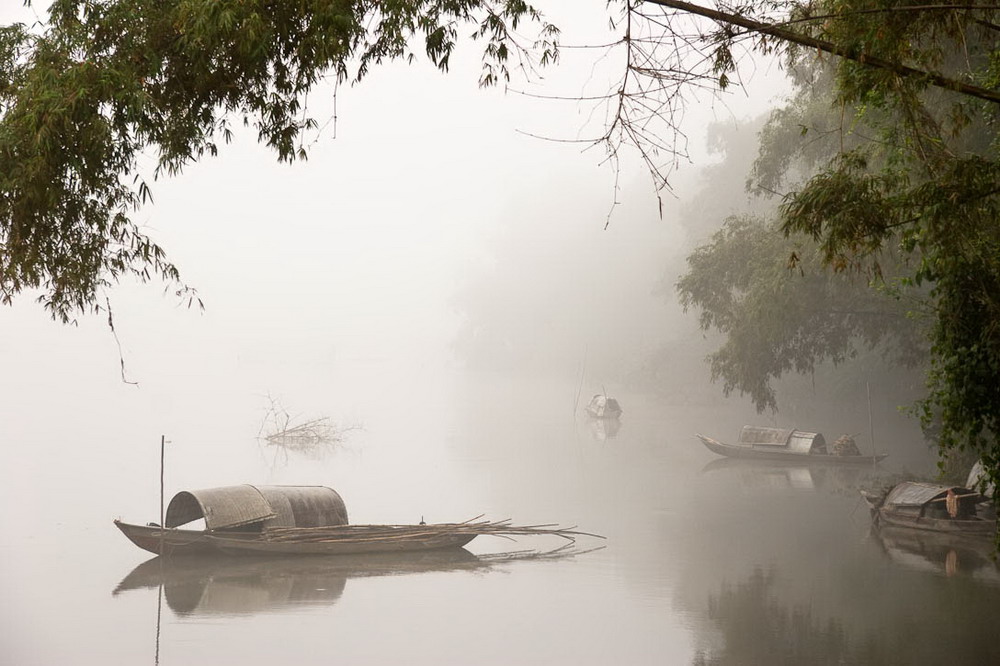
(705, 561)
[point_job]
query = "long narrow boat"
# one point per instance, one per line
(299, 520)
(784, 444)
(931, 507)
(345, 540)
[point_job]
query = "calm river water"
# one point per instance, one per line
(704, 562)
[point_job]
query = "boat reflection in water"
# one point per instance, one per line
(214, 585)
(944, 554)
(604, 429)
(779, 475)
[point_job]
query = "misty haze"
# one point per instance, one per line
(466, 307)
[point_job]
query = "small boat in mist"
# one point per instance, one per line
(603, 407)
(788, 444)
(932, 507)
(300, 520)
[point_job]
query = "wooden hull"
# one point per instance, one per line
(193, 542)
(603, 416)
(748, 452)
(175, 541)
(973, 528)
(255, 547)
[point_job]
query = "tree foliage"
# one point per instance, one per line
(927, 186)
(777, 319)
(104, 81)
(908, 173)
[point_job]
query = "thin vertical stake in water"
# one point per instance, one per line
(163, 442)
(871, 427)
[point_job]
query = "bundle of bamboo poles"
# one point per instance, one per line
(397, 533)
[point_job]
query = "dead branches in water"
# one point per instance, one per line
(307, 435)
(312, 438)
(431, 532)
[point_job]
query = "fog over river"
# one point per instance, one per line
(450, 292)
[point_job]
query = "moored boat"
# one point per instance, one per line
(299, 520)
(931, 507)
(786, 444)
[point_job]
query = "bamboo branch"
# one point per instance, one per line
(398, 533)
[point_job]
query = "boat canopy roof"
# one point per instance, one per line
(790, 439)
(916, 493)
(603, 406)
(274, 506)
(600, 401)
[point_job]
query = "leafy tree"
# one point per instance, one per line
(106, 80)
(776, 320)
(908, 176)
(927, 187)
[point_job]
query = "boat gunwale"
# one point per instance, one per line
(338, 546)
(189, 542)
(975, 527)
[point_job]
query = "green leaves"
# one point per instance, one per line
(849, 211)
(107, 81)
(776, 320)
(925, 189)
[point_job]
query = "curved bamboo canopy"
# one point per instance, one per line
(273, 506)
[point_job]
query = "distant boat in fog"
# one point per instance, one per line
(787, 444)
(604, 429)
(603, 407)
(933, 508)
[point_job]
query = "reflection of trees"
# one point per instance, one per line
(757, 629)
(904, 624)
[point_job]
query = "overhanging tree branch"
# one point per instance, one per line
(793, 37)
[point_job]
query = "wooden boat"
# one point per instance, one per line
(298, 520)
(784, 444)
(932, 507)
(603, 407)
